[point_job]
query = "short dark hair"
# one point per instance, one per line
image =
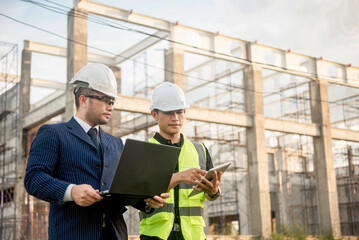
(78, 93)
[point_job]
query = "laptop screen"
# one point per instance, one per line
(145, 169)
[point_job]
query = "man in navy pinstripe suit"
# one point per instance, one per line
(71, 162)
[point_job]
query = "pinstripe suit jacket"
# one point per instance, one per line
(62, 154)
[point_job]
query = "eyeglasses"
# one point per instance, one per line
(108, 100)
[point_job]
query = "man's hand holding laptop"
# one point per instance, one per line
(157, 201)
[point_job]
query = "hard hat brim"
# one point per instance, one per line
(73, 81)
(108, 94)
(168, 109)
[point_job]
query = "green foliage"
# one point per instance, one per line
(328, 237)
(295, 232)
(299, 233)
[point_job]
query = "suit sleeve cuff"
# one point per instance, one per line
(67, 195)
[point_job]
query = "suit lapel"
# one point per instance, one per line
(104, 138)
(76, 129)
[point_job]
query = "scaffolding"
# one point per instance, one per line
(10, 151)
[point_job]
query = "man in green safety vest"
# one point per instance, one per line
(182, 216)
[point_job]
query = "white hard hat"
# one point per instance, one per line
(98, 77)
(168, 97)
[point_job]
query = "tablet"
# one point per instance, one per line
(209, 175)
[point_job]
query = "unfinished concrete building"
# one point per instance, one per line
(288, 122)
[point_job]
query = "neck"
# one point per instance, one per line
(83, 118)
(175, 138)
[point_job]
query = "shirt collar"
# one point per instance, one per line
(85, 125)
(165, 141)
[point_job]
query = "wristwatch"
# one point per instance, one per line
(216, 195)
(147, 208)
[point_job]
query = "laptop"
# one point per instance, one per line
(145, 169)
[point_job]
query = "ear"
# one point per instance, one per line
(184, 110)
(154, 115)
(83, 101)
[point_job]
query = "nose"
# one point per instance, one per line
(175, 116)
(109, 107)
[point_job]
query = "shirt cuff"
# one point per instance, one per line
(67, 195)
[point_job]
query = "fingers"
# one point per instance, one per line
(84, 195)
(200, 171)
(158, 201)
(191, 175)
(220, 176)
(165, 195)
(209, 186)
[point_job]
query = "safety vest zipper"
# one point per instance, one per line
(177, 220)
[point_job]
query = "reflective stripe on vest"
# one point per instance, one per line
(160, 222)
(184, 211)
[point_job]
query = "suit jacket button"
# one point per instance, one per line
(98, 166)
(102, 183)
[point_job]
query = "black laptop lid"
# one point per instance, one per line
(145, 169)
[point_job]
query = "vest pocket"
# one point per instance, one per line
(197, 221)
(197, 197)
(156, 218)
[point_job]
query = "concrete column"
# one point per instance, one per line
(329, 219)
(117, 72)
(76, 53)
(115, 119)
(260, 212)
(25, 80)
(24, 105)
(283, 189)
(174, 65)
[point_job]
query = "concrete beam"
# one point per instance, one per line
(216, 45)
(45, 112)
(62, 52)
(36, 82)
(141, 105)
(291, 127)
(46, 49)
(133, 104)
(345, 134)
(140, 123)
(210, 44)
(141, 46)
(124, 15)
(218, 116)
(4, 77)
(57, 106)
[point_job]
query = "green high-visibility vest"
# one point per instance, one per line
(160, 222)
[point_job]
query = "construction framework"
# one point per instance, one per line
(287, 121)
(9, 143)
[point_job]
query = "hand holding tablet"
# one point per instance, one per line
(209, 175)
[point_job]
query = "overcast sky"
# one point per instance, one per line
(313, 27)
